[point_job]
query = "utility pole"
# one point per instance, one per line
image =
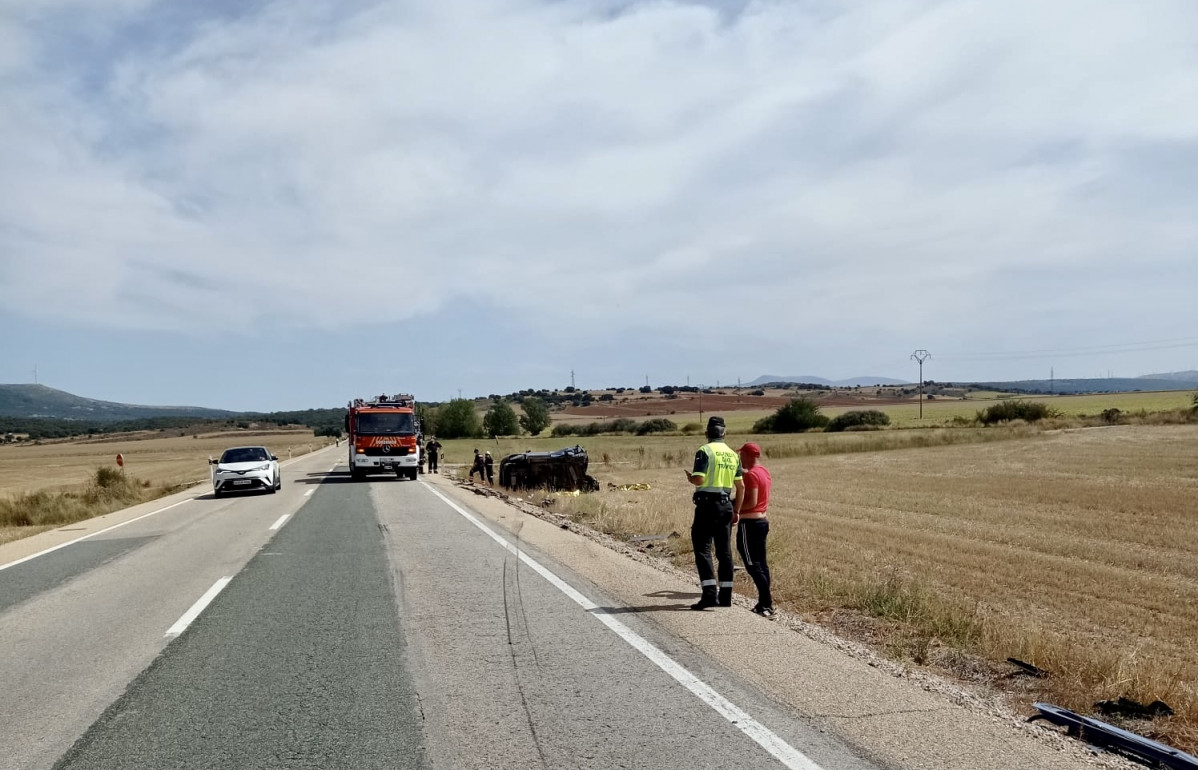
(571, 378)
(1052, 381)
(35, 374)
(920, 356)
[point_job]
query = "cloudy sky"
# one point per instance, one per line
(274, 205)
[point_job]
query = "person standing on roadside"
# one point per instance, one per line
(716, 474)
(433, 450)
(489, 465)
(754, 527)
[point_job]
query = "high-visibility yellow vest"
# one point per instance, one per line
(723, 466)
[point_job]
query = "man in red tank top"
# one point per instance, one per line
(754, 527)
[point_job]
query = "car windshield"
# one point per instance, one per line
(247, 454)
(376, 423)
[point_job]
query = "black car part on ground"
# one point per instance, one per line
(562, 470)
(1116, 739)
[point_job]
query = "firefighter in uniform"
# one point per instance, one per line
(716, 473)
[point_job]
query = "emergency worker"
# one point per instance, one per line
(753, 527)
(716, 473)
(489, 465)
(433, 450)
(478, 467)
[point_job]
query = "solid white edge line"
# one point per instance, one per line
(309, 493)
(182, 623)
(282, 520)
(93, 534)
(759, 733)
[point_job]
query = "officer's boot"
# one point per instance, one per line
(725, 597)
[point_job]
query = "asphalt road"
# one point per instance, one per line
(372, 624)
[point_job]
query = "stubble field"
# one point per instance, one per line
(51, 484)
(1074, 550)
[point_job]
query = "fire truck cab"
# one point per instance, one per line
(383, 436)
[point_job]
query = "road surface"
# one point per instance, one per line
(398, 624)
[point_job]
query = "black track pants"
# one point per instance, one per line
(750, 544)
(432, 463)
(713, 523)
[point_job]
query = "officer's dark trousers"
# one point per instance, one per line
(432, 463)
(713, 523)
(750, 543)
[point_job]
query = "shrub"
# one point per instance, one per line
(691, 427)
(622, 425)
(1006, 411)
(861, 419)
(801, 414)
(656, 425)
(1111, 415)
(564, 429)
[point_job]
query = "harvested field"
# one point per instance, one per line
(51, 484)
(1074, 550)
(153, 457)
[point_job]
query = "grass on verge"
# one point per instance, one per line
(108, 490)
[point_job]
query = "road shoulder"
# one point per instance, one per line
(896, 715)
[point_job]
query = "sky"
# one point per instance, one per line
(258, 205)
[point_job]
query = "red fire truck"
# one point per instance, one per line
(383, 436)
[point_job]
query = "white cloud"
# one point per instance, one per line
(600, 162)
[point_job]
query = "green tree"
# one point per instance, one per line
(457, 419)
(500, 420)
(536, 415)
(801, 414)
(428, 419)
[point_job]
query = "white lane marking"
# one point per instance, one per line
(309, 493)
(182, 623)
(282, 520)
(762, 735)
(93, 534)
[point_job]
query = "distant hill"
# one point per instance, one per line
(1094, 385)
(39, 401)
(1189, 377)
(852, 382)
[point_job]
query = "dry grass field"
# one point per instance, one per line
(742, 412)
(54, 483)
(1075, 550)
(171, 459)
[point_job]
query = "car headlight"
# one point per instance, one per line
(264, 467)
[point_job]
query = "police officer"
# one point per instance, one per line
(716, 474)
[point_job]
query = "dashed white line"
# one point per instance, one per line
(282, 520)
(182, 623)
(309, 493)
(788, 755)
(93, 534)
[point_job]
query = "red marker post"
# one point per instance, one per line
(120, 461)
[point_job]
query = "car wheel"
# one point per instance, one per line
(216, 493)
(412, 474)
(279, 481)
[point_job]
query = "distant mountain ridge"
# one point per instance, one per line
(40, 401)
(851, 382)
(1095, 385)
(1190, 376)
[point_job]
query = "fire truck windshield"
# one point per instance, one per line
(381, 423)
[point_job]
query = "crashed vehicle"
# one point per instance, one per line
(560, 471)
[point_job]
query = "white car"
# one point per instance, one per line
(245, 467)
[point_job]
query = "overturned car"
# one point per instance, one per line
(563, 470)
